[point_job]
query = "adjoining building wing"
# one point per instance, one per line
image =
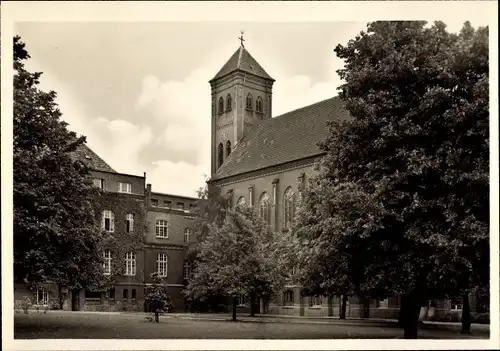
(84, 154)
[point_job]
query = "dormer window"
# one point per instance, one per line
(229, 103)
(249, 102)
(258, 105)
(221, 105)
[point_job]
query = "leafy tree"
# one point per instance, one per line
(401, 203)
(56, 235)
(156, 296)
(237, 257)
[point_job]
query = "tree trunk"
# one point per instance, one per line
(157, 315)
(61, 297)
(252, 304)
(466, 317)
(366, 307)
(402, 311)
(234, 309)
(343, 307)
(410, 314)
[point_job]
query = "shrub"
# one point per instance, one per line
(481, 318)
(26, 304)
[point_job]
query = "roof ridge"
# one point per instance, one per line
(239, 56)
(305, 107)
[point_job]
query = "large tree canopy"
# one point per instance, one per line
(401, 202)
(56, 235)
(239, 256)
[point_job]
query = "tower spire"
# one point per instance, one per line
(241, 38)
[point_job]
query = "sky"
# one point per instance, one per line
(140, 94)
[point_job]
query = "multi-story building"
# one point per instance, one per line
(146, 232)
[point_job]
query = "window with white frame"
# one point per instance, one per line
(162, 264)
(107, 262)
(241, 300)
(130, 223)
(264, 208)
(108, 221)
(288, 298)
(130, 266)
(125, 188)
(456, 304)
(288, 207)
(315, 301)
(187, 270)
(41, 297)
(99, 183)
(187, 235)
(161, 228)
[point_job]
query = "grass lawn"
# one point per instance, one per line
(60, 325)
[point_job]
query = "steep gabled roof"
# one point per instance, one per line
(84, 154)
(291, 136)
(241, 60)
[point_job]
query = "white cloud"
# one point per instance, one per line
(177, 178)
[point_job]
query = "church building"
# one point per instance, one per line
(264, 162)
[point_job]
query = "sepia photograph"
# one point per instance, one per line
(248, 179)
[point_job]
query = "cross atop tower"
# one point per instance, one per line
(241, 38)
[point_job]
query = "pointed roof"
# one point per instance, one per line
(289, 137)
(241, 60)
(84, 154)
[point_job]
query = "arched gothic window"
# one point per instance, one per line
(258, 104)
(288, 207)
(249, 102)
(241, 201)
(264, 208)
(229, 102)
(228, 148)
(221, 105)
(221, 154)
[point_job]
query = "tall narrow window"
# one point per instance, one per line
(130, 223)
(229, 102)
(288, 207)
(221, 154)
(249, 102)
(264, 207)
(228, 148)
(42, 297)
(162, 264)
(250, 196)
(161, 228)
(108, 221)
(134, 294)
(107, 262)
(258, 104)
(221, 105)
(111, 293)
(187, 270)
(125, 294)
(187, 235)
(130, 267)
(288, 298)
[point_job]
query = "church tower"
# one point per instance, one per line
(241, 98)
